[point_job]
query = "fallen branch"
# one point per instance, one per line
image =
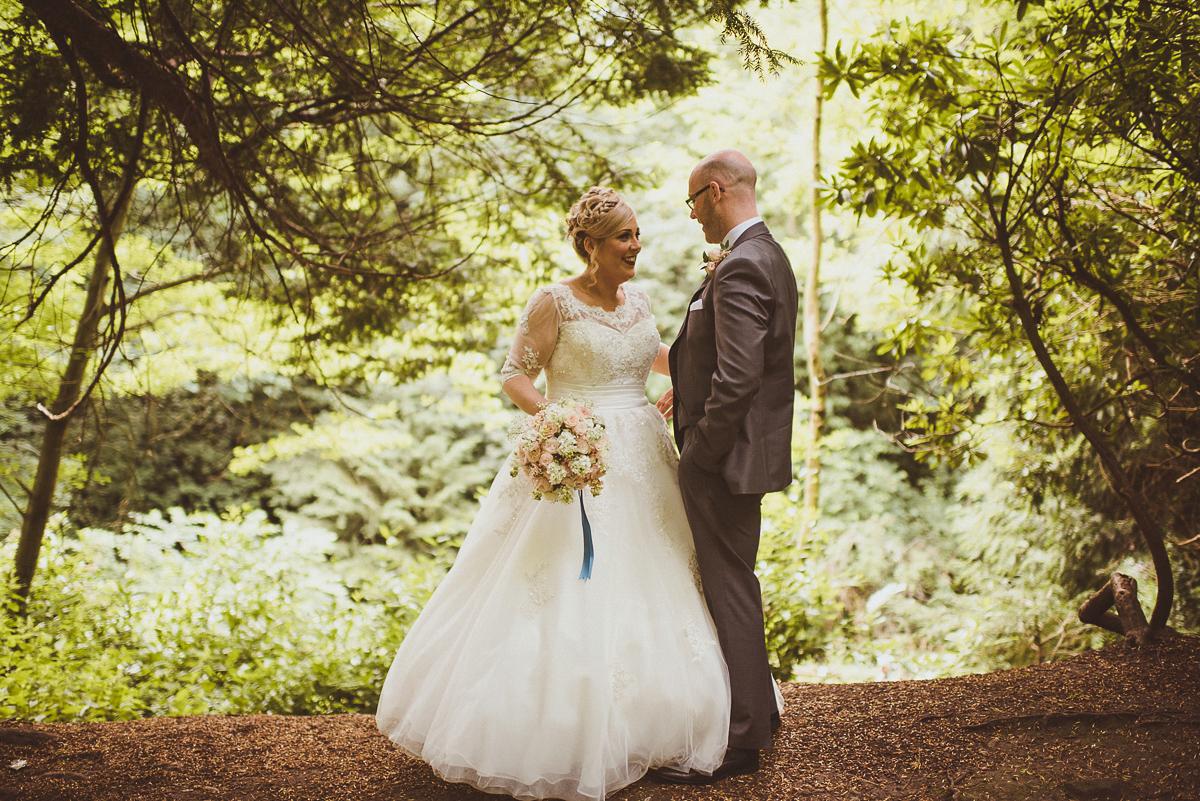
(1133, 718)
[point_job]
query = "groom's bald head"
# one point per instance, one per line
(730, 178)
(729, 168)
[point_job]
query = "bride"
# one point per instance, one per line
(521, 678)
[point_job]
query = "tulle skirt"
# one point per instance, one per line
(520, 678)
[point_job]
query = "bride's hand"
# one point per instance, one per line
(666, 404)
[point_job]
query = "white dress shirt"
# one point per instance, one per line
(732, 237)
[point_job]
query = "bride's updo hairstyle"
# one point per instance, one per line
(600, 214)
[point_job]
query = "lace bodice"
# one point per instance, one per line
(580, 345)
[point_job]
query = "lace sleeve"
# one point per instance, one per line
(537, 334)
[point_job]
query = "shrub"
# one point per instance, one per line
(801, 610)
(201, 614)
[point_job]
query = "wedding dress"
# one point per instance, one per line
(521, 678)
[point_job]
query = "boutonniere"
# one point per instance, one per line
(712, 259)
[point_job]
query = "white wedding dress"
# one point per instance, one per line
(520, 678)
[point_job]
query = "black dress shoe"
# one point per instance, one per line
(737, 761)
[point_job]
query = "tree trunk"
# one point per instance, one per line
(1118, 480)
(1130, 620)
(41, 496)
(812, 308)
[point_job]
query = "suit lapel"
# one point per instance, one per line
(753, 232)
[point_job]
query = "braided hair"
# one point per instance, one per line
(600, 214)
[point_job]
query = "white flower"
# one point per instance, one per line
(566, 443)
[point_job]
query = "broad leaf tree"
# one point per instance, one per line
(1052, 170)
(354, 163)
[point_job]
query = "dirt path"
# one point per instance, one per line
(1113, 724)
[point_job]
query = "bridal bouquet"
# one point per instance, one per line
(562, 449)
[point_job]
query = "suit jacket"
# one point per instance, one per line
(732, 368)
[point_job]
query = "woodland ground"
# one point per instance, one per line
(1118, 723)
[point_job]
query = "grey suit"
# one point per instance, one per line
(731, 368)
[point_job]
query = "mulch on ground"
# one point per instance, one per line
(1115, 724)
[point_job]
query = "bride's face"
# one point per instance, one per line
(616, 256)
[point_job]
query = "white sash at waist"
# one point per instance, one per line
(600, 398)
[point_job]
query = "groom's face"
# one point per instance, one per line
(703, 209)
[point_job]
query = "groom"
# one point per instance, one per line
(732, 388)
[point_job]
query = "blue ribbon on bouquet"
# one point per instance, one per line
(589, 553)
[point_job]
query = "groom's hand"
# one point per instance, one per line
(666, 404)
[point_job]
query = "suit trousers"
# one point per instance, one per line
(726, 527)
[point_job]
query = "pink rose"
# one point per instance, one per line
(542, 483)
(550, 445)
(546, 459)
(582, 444)
(713, 258)
(572, 419)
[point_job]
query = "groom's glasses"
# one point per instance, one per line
(691, 201)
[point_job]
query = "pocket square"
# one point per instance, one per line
(697, 304)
